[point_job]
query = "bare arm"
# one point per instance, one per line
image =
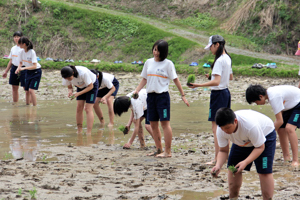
(231, 77)
(87, 89)
(278, 121)
(178, 85)
(141, 85)
(214, 82)
(221, 159)
(20, 68)
(112, 89)
(7, 69)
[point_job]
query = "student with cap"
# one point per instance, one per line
(254, 139)
(285, 102)
(15, 79)
(220, 76)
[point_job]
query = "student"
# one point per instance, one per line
(108, 89)
(220, 76)
(285, 102)
(15, 79)
(157, 73)
(87, 88)
(33, 69)
(254, 139)
(138, 114)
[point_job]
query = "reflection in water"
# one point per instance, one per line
(24, 132)
(86, 140)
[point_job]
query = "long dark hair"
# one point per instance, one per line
(98, 73)
(25, 40)
(219, 52)
(69, 71)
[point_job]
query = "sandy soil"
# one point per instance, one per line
(105, 171)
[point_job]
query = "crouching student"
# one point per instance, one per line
(138, 114)
(285, 102)
(108, 89)
(254, 139)
(34, 72)
(87, 88)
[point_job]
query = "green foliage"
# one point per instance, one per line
(201, 21)
(191, 78)
(232, 169)
(20, 191)
(122, 128)
(33, 193)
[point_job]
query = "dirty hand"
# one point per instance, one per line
(215, 171)
(191, 85)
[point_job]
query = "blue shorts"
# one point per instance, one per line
(146, 117)
(33, 79)
(15, 79)
(218, 99)
(90, 96)
(104, 91)
(158, 106)
(291, 116)
(264, 163)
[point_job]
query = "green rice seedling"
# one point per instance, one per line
(232, 169)
(135, 95)
(123, 129)
(191, 79)
(33, 193)
(72, 97)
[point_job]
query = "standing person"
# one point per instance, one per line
(285, 102)
(254, 139)
(87, 87)
(220, 76)
(14, 79)
(108, 89)
(33, 69)
(157, 73)
(138, 114)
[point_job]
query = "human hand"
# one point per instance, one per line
(191, 85)
(4, 75)
(128, 127)
(127, 146)
(17, 70)
(103, 100)
(185, 101)
(241, 166)
(215, 171)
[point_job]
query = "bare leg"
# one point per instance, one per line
(267, 185)
(98, 110)
(149, 129)
(284, 143)
(32, 97)
(15, 93)
(168, 139)
(156, 135)
(141, 135)
(110, 105)
(79, 115)
(89, 117)
(234, 184)
(27, 97)
(292, 135)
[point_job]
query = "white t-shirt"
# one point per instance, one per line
(28, 58)
(107, 80)
(252, 129)
(223, 68)
(158, 75)
(283, 97)
(139, 105)
(14, 55)
(84, 78)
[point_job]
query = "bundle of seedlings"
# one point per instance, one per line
(123, 129)
(191, 79)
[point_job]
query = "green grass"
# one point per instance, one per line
(241, 68)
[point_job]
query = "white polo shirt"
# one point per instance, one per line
(84, 78)
(14, 55)
(139, 105)
(222, 68)
(107, 80)
(253, 127)
(28, 58)
(158, 75)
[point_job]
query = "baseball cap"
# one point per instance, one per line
(214, 39)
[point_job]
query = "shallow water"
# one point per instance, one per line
(24, 128)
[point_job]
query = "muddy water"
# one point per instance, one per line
(24, 128)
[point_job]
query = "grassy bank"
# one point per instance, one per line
(238, 69)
